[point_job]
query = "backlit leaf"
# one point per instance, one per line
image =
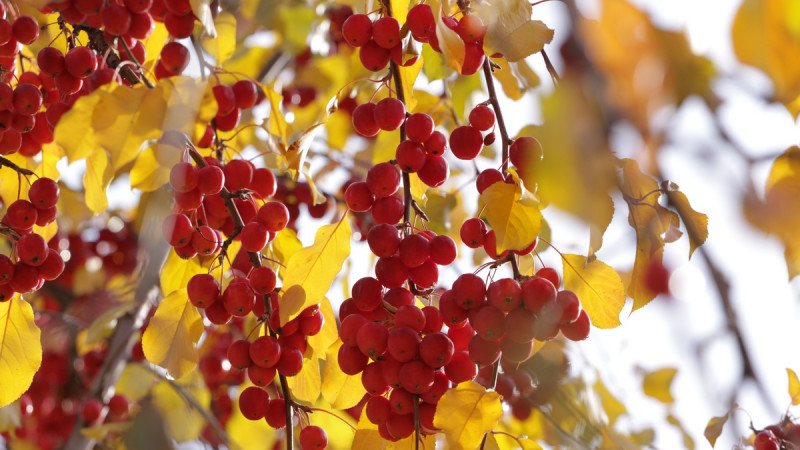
(514, 219)
(794, 387)
(688, 442)
(466, 412)
(341, 390)
(202, 10)
(599, 288)
(136, 381)
(147, 173)
(714, 427)
(170, 341)
(696, 223)
(311, 271)
(96, 180)
(453, 50)
(286, 244)
(766, 34)
(611, 405)
(657, 384)
(183, 421)
(176, 272)
(510, 29)
(408, 75)
(501, 441)
(327, 336)
(777, 213)
(20, 349)
(102, 326)
(305, 386)
(367, 437)
(223, 45)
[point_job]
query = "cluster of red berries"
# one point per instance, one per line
(402, 353)
(505, 318)
(783, 435)
(467, 141)
(382, 39)
(32, 261)
(203, 209)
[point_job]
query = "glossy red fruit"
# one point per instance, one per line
(466, 142)
(435, 171)
(383, 179)
(386, 32)
(265, 351)
(25, 29)
(357, 30)
(238, 298)
(80, 62)
(419, 127)
(253, 402)
(203, 290)
(436, 349)
(313, 437)
(239, 354)
(537, 292)
(504, 294)
(461, 368)
(44, 193)
(525, 153)
(410, 156)
(378, 409)
(372, 339)
(579, 329)
(364, 120)
(373, 56)
(390, 113)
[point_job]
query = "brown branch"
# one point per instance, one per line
(98, 42)
(4, 162)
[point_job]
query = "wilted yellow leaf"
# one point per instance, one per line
(223, 45)
(183, 421)
(510, 30)
(170, 341)
(657, 384)
(466, 412)
(766, 34)
(176, 272)
(311, 271)
(599, 288)
(794, 387)
(696, 223)
(20, 349)
(714, 427)
(515, 218)
(342, 391)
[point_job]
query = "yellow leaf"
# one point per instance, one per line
(305, 386)
(286, 244)
(715, 425)
(147, 173)
(453, 50)
(339, 127)
(507, 80)
(342, 391)
(153, 45)
(170, 341)
(599, 288)
(418, 189)
(400, 10)
(102, 326)
(202, 10)
(500, 441)
(696, 223)
(688, 442)
(516, 220)
(466, 412)
(20, 349)
(327, 336)
(296, 22)
(246, 434)
(794, 387)
(367, 437)
(611, 405)
(510, 30)
(340, 433)
(408, 75)
(657, 384)
(766, 34)
(277, 124)
(777, 213)
(222, 46)
(96, 180)
(311, 271)
(136, 381)
(183, 421)
(176, 272)
(72, 132)
(433, 64)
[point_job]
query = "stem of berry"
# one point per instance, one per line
(407, 200)
(417, 433)
(505, 142)
(98, 43)
(255, 260)
(8, 163)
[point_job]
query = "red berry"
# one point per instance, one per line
(265, 351)
(461, 368)
(387, 209)
(386, 32)
(44, 193)
(357, 30)
(419, 127)
(91, 411)
(579, 329)
(117, 19)
(383, 180)
(238, 298)
(80, 62)
(435, 171)
(25, 29)
(27, 99)
(358, 197)
(436, 349)
(390, 113)
(466, 142)
(262, 280)
(274, 215)
(482, 116)
(253, 402)
(313, 437)
(364, 120)
(32, 249)
(410, 156)
(203, 290)
(174, 57)
(525, 153)
(239, 354)
(373, 57)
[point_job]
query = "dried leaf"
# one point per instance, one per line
(510, 29)
(696, 223)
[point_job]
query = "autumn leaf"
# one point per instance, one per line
(170, 340)
(102, 326)
(515, 218)
(202, 10)
(688, 442)
(183, 421)
(342, 391)
(368, 437)
(611, 405)
(794, 387)
(501, 441)
(466, 413)
(696, 223)
(305, 386)
(246, 434)
(176, 272)
(599, 288)
(20, 349)
(657, 384)
(510, 29)
(766, 35)
(715, 425)
(777, 212)
(321, 342)
(408, 76)
(285, 244)
(222, 46)
(311, 271)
